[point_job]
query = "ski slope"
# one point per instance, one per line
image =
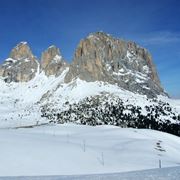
(76, 150)
(171, 173)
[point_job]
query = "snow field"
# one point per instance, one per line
(73, 149)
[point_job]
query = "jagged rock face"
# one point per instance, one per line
(52, 62)
(100, 57)
(21, 66)
(1, 71)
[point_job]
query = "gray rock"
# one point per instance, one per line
(52, 62)
(21, 66)
(100, 57)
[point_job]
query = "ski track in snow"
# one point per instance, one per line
(154, 174)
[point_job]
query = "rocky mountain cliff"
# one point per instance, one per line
(110, 81)
(52, 62)
(98, 57)
(21, 66)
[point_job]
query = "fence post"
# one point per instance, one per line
(84, 145)
(102, 156)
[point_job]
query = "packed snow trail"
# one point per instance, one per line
(172, 173)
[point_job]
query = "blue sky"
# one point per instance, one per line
(153, 24)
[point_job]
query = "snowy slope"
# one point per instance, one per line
(172, 173)
(175, 103)
(21, 103)
(75, 149)
(18, 105)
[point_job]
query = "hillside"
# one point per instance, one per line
(109, 82)
(75, 149)
(48, 99)
(171, 173)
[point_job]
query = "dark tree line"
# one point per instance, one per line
(101, 110)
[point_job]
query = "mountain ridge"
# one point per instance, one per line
(98, 57)
(109, 82)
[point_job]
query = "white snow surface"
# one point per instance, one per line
(76, 149)
(73, 149)
(20, 102)
(172, 173)
(57, 58)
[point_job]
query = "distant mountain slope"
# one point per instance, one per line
(98, 57)
(110, 81)
(101, 57)
(21, 66)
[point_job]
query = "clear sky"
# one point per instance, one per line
(154, 24)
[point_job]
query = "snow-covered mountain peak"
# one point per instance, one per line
(98, 57)
(109, 77)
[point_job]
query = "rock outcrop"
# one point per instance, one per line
(100, 57)
(21, 66)
(52, 62)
